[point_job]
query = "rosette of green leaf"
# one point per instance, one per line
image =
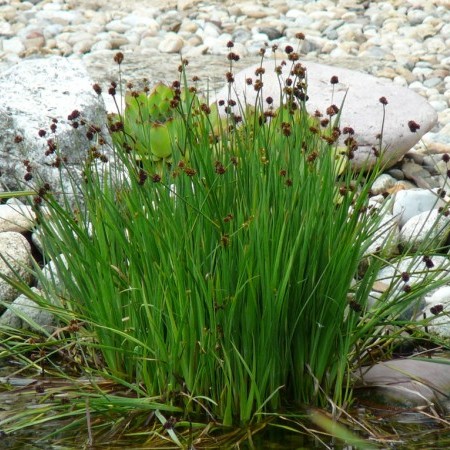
(154, 124)
(148, 123)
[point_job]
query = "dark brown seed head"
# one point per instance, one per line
(189, 171)
(97, 88)
(332, 110)
(205, 108)
(118, 57)
(428, 262)
(257, 85)
(142, 176)
(288, 49)
(437, 309)
(355, 306)
(334, 79)
(348, 130)
(260, 71)
(413, 126)
(383, 101)
(73, 115)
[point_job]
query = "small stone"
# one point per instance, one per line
(439, 323)
(118, 26)
(439, 105)
(24, 313)
(416, 268)
(15, 262)
(82, 47)
(101, 45)
(411, 202)
(118, 42)
(34, 40)
(188, 26)
(416, 173)
(271, 33)
(257, 11)
(429, 227)
(386, 238)
(13, 45)
(172, 43)
(183, 5)
(18, 218)
(383, 183)
(396, 173)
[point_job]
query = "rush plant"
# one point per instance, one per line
(214, 267)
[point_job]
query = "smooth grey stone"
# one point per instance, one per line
(358, 94)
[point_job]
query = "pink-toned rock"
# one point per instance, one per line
(34, 40)
(408, 383)
(359, 95)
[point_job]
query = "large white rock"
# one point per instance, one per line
(25, 314)
(417, 269)
(411, 202)
(361, 110)
(385, 239)
(18, 218)
(15, 261)
(33, 93)
(392, 278)
(15, 216)
(437, 308)
(405, 383)
(428, 228)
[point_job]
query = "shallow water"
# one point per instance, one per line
(388, 429)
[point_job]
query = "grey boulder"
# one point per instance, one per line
(24, 314)
(34, 93)
(15, 261)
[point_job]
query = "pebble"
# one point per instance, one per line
(404, 41)
(427, 227)
(410, 203)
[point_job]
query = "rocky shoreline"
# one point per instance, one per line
(405, 41)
